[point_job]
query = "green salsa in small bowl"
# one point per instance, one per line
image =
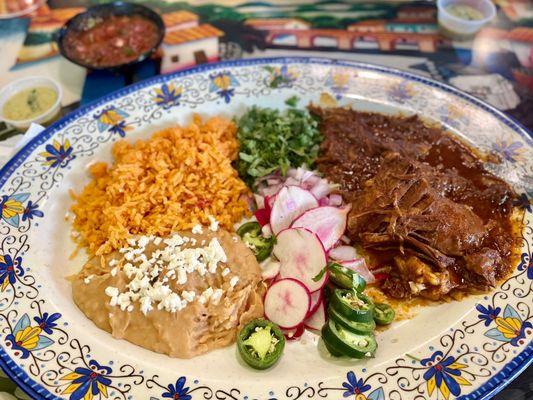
(30, 100)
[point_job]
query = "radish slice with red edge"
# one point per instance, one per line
(269, 269)
(316, 320)
(329, 223)
(316, 299)
(342, 253)
(294, 333)
(302, 256)
(287, 302)
(359, 265)
(263, 216)
(290, 202)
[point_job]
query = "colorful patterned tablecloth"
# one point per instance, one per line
(496, 65)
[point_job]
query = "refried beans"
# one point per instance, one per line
(203, 324)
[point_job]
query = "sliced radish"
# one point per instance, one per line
(294, 333)
(329, 223)
(359, 265)
(270, 269)
(290, 202)
(317, 320)
(287, 302)
(302, 256)
(316, 299)
(343, 253)
(263, 216)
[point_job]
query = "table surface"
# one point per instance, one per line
(496, 65)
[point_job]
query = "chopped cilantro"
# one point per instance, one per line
(320, 274)
(271, 139)
(292, 101)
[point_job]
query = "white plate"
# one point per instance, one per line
(460, 349)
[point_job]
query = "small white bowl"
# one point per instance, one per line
(456, 26)
(27, 83)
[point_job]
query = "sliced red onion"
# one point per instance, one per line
(259, 201)
(269, 200)
(321, 189)
(345, 239)
(359, 265)
(313, 179)
(290, 181)
(263, 216)
(306, 175)
(294, 173)
(269, 190)
(335, 199)
(273, 181)
(343, 253)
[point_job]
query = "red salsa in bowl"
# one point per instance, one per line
(110, 36)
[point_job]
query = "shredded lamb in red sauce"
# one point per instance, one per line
(422, 203)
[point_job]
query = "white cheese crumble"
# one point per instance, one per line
(188, 295)
(111, 291)
(233, 281)
(143, 241)
(206, 295)
(225, 272)
(113, 262)
(197, 229)
(213, 223)
(217, 295)
(88, 279)
(149, 278)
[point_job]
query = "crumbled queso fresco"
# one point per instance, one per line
(149, 291)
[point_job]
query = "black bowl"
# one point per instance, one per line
(118, 8)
